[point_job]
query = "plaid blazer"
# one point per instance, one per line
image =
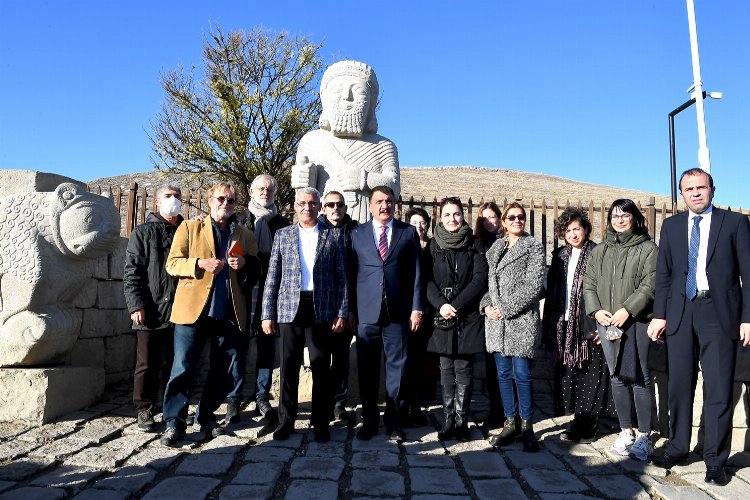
(284, 279)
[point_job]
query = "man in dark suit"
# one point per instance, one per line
(701, 306)
(386, 293)
(306, 295)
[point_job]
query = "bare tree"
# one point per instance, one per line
(256, 99)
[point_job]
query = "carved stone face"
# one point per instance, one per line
(346, 101)
(88, 224)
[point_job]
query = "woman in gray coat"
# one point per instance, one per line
(512, 325)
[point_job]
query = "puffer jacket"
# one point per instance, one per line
(621, 272)
(516, 283)
(146, 282)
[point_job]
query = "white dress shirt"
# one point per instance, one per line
(572, 264)
(376, 230)
(701, 279)
(308, 243)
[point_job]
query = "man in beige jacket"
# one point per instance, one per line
(216, 262)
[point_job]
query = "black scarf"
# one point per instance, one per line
(453, 241)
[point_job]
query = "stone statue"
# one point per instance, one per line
(45, 240)
(346, 154)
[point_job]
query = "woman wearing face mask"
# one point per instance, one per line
(618, 291)
(457, 281)
(581, 378)
(512, 326)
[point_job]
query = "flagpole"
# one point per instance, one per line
(704, 157)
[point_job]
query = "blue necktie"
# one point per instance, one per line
(691, 286)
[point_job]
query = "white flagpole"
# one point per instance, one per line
(704, 157)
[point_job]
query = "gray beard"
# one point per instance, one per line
(347, 123)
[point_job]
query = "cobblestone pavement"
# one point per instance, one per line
(99, 453)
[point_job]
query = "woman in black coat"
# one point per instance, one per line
(457, 282)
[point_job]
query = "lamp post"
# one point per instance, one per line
(672, 152)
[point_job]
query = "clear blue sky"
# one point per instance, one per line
(577, 88)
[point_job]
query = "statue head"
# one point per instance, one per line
(349, 94)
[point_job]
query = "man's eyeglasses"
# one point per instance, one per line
(222, 199)
(337, 204)
(521, 218)
(306, 203)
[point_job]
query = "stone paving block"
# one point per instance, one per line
(101, 429)
(417, 434)
(312, 490)
(440, 461)
(379, 442)
(259, 473)
(377, 483)
(246, 491)
(95, 494)
(15, 448)
(317, 468)
(744, 474)
(48, 432)
(111, 454)
(130, 479)
(428, 448)
(591, 465)
(635, 466)
(456, 447)
(182, 487)
(564, 496)
(484, 464)
(67, 476)
(736, 489)
(552, 481)
(31, 493)
(59, 448)
(79, 417)
(339, 434)
(436, 481)
(618, 486)
(492, 489)
(6, 485)
(541, 460)
(673, 492)
(294, 441)
(432, 496)
(567, 448)
(224, 445)
(11, 429)
(23, 468)
(329, 449)
(374, 460)
(156, 457)
(268, 454)
(205, 465)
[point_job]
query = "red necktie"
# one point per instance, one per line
(383, 242)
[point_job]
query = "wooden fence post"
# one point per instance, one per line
(130, 215)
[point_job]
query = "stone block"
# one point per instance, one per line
(259, 473)
(490, 489)
(67, 476)
(618, 486)
(16, 448)
(312, 490)
(116, 259)
(436, 481)
(21, 181)
(244, 491)
(110, 295)
(205, 465)
(440, 461)
(156, 457)
(268, 454)
(101, 323)
(116, 377)
(375, 460)
(48, 432)
(40, 395)
(553, 481)
(225, 444)
(59, 448)
(97, 494)
(119, 353)
(86, 298)
(377, 483)
(100, 268)
(18, 470)
(87, 352)
(317, 468)
(484, 464)
(34, 493)
(182, 487)
(130, 479)
(541, 460)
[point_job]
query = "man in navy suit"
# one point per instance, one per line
(306, 294)
(386, 293)
(701, 306)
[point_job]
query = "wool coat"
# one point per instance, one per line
(195, 240)
(516, 283)
(466, 271)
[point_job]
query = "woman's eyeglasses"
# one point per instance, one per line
(520, 218)
(222, 199)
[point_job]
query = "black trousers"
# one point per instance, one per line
(154, 354)
(701, 338)
(306, 330)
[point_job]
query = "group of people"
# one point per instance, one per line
(461, 294)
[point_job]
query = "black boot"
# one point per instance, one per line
(511, 431)
(449, 402)
(463, 398)
(530, 444)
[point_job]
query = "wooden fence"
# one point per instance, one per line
(135, 203)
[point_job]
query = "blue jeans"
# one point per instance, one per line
(510, 368)
(188, 347)
(266, 356)
(237, 368)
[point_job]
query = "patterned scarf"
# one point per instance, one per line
(572, 347)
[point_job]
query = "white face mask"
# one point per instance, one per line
(170, 206)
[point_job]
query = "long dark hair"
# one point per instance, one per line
(479, 230)
(628, 206)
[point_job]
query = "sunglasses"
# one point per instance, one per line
(222, 199)
(337, 204)
(521, 218)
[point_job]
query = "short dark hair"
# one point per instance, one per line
(417, 211)
(385, 190)
(696, 171)
(570, 215)
(628, 206)
(479, 225)
(451, 200)
(333, 193)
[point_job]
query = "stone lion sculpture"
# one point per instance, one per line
(346, 154)
(45, 240)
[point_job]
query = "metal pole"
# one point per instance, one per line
(672, 160)
(704, 157)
